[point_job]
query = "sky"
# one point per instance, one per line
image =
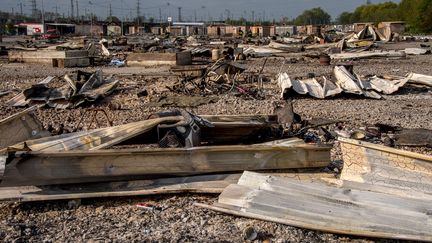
(191, 9)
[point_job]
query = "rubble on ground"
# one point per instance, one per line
(347, 114)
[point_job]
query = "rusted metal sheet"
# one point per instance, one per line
(44, 168)
(384, 166)
(21, 127)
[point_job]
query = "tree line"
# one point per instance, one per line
(416, 13)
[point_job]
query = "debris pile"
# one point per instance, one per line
(346, 81)
(221, 78)
(377, 184)
(80, 88)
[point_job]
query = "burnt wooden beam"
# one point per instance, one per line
(45, 168)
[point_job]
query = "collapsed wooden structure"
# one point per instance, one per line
(381, 192)
(231, 144)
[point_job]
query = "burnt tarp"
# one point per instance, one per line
(82, 87)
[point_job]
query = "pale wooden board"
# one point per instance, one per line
(93, 139)
(45, 168)
(317, 206)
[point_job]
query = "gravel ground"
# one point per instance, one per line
(119, 220)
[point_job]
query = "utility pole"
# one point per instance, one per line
(195, 15)
(110, 13)
(138, 12)
(21, 8)
(179, 14)
(43, 17)
(77, 9)
(72, 9)
(253, 16)
(34, 8)
(56, 12)
(160, 15)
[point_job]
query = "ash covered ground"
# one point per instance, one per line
(119, 220)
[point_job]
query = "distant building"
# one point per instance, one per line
(217, 29)
(87, 29)
(360, 26)
(286, 30)
(157, 30)
(61, 28)
(262, 31)
(313, 29)
(176, 30)
(187, 28)
(30, 28)
(394, 26)
(114, 30)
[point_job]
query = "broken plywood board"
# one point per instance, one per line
(71, 62)
(44, 56)
(384, 166)
(420, 79)
(21, 127)
(193, 184)
(368, 54)
(318, 206)
(414, 137)
(417, 51)
(153, 59)
(46, 168)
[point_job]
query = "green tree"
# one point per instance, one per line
(346, 18)
(387, 11)
(313, 16)
(425, 16)
(113, 19)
